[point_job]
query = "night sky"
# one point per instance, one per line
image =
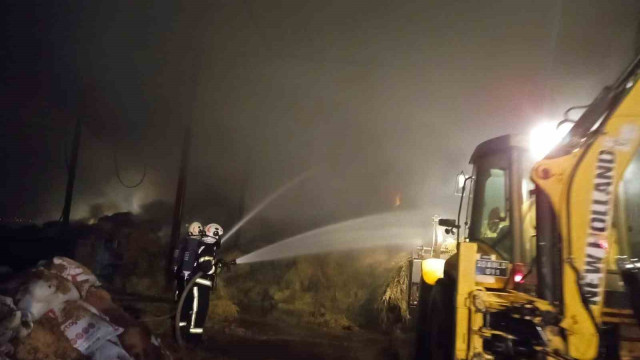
(380, 97)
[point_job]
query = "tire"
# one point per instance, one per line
(436, 322)
(421, 322)
(442, 320)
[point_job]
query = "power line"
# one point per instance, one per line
(115, 162)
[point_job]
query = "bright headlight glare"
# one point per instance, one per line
(432, 270)
(543, 138)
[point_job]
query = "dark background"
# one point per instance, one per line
(380, 97)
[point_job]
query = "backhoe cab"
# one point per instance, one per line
(547, 266)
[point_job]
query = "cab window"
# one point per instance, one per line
(490, 221)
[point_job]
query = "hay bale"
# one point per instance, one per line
(222, 310)
(393, 305)
(221, 307)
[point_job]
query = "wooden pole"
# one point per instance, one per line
(68, 198)
(178, 205)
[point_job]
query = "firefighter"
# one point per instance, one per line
(184, 257)
(198, 255)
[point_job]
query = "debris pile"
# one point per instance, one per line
(59, 311)
(338, 291)
(394, 305)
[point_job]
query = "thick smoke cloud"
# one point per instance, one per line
(385, 98)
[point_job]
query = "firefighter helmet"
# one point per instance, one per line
(213, 230)
(195, 229)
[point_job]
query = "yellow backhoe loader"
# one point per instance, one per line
(547, 265)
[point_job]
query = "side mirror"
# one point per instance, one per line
(448, 223)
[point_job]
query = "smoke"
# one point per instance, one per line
(391, 98)
(274, 195)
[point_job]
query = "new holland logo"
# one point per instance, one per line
(597, 244)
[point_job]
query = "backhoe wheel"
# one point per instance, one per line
(422, 325)
(441, 320)
(435, 322)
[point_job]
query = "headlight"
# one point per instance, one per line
(432, 270)
(544, 137)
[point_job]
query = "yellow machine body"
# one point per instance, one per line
(582, 187)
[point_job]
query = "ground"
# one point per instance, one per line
(270, 340)
(251, 336)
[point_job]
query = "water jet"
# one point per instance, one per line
(397, 229)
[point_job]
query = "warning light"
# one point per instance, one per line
(518, 273)
(518, 277)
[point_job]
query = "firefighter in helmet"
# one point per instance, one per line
(196, 255)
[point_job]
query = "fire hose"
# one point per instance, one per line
(183, 296)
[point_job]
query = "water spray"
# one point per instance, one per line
(266, 202)
(397, 229)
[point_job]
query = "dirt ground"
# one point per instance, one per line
(276, 338)
(272, 340)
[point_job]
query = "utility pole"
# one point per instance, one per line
(178, 205)
(68, 197)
